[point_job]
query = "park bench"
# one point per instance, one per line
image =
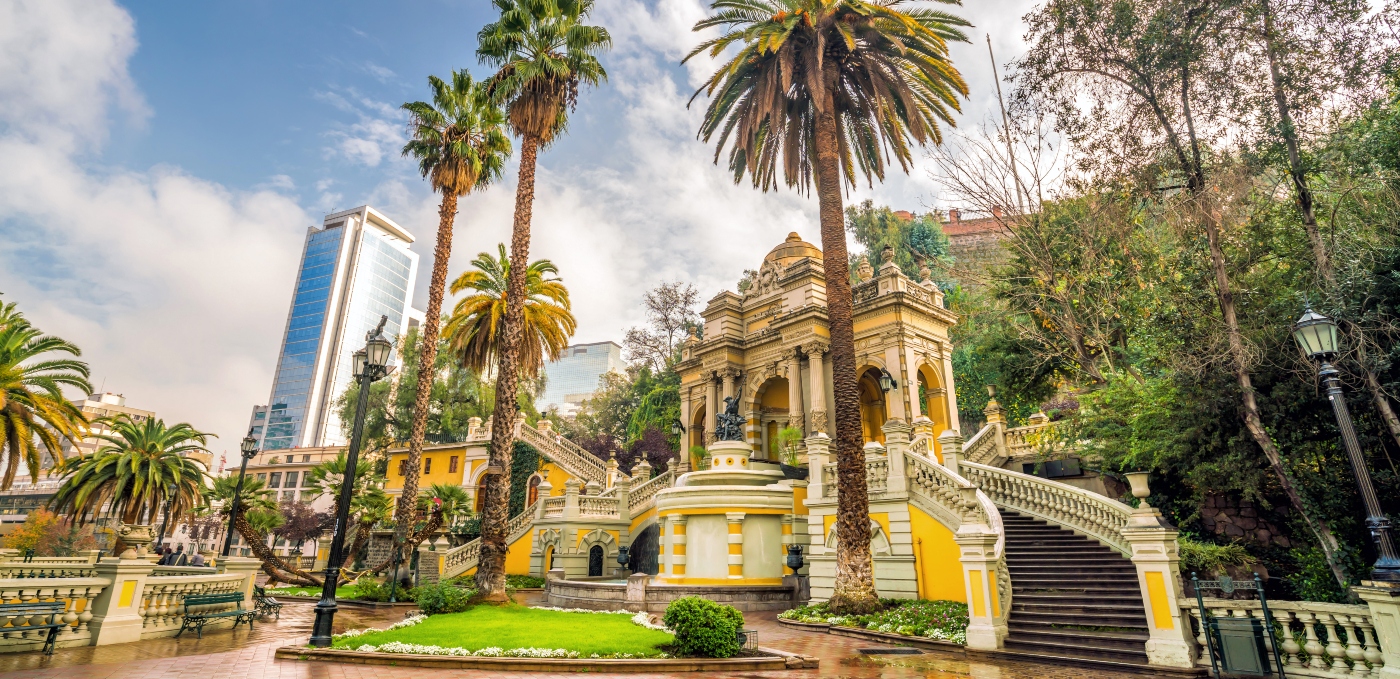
(266, 604)
(195, 619)
(30, 616)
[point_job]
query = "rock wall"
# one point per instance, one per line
(1242, 520)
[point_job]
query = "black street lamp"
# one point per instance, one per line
(1317, 336)
(370, 363)
(248, 448)
(887, 382)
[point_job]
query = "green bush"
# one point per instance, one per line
(442, 598)
(369, 589)
(704, 628)
(943, 620)
(523, 582)
(1209, 560)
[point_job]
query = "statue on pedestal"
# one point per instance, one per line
(729, 424)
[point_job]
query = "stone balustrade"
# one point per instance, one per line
(78, 593)
(597, 506)
(553, 507)
(459, 560)
(168, 571)
(162, 600)
(1080, 510)
(566, 454)
(1316, 639)
(643, 495)
(18, 570)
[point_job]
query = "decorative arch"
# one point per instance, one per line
(532, 491)
(879, 542)
(771, 412)
(874, 407)
(933, 400)
(696, 425)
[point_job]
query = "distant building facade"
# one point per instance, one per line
(976, 246)
(573, 378)
(104, 405)
(354, 269)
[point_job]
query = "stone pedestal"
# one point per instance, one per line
(249, 567)
(986, 629)
(116, 613)
(1153, 540)
(1384, 601)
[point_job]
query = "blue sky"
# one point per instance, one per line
(160, 163)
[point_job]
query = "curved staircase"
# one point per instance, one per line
(1072, 596)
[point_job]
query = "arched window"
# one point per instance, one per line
(533, 493)
(480, 495)
(595, 561)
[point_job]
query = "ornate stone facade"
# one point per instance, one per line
(768, 346)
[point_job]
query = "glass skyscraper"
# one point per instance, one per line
(354, 269)
(573, 378)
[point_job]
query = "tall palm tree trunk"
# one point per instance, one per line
(1303, 194)
(495, 509)
(427, 357)
(855, 578)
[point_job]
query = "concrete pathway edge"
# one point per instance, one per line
(776, 661)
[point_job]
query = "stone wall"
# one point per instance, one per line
(1241, 520)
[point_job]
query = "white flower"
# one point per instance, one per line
(644, 620)
(410, 621)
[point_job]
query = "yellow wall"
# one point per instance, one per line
(517, 557)
(935, 552)
(439, 474)
(648, 516)
(556, 477)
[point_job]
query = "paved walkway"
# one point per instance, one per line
(248, 655)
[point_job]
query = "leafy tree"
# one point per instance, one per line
(918, 242)
(40, 524)
(543, 51)
(460, 147)
(301, 523)
(670, 311)
(140, 466)
(828, 89)
(474, 329)
(35, 417)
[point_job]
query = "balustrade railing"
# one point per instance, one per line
(877, 474)
(982, 447)
(168, 571)
(553, 507)
(77, 594)
(566, 454)
(461, 559)
(643, 495)
(31, 570)
(1080, 510)
(596, 506)
(1316, 639)
(162, 599)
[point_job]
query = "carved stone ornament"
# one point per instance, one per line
(818, 421)
(864, 270)
(768, 276)
(135, 537)
(814, 349)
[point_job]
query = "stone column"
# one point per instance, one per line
(678, 546)
(794, 375)
(1384, 601)
(250, 568)
(911, 378)
(571, 499)
(1153, 542)
(952, 398)
(952, 444)
(544, 489)
(818, 449)
(896, 445)
(683, 455)
(711, 408)
(814, 358)
(624, 495)
(996, 417)
(116, 612)
(896, 398)
(736, 544)
(977, 543)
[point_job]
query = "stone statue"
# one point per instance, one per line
(729, 424)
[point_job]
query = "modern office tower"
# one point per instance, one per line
(354, 269)
(573, 378)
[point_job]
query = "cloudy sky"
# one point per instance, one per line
(160, 163)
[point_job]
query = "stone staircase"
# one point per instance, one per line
(1072, 596)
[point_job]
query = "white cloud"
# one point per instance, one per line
(173, 286)
(377, 134)
(379, 73)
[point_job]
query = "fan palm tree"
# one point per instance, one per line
(140, 465)
(460, 145)
(329, 476)
(543, 52)
(473, 330)
(829, 88)
(35, 417)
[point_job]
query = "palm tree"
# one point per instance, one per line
(828, 88)
(461, 147)
(258, 515)
(35, 417)
(543, 51)
(473, 329)
(141, 465)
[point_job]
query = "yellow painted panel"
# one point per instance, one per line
(736, 569)
(677, 529)
(787, 529)
(556, 476)
(799, 500)
(883, 519)
(640, 519)
(979, 607)
(518, 556)
(736, 527)
(674, 580)
(736, 548)
(938, 558)
(678, 549)
(678, 568)
(722, 510)
(1157, 596)
(128, 593)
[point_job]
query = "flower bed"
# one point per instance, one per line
(940, 620)
(516, 632)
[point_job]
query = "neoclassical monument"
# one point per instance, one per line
(767, 346)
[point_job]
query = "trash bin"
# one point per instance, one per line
(1242, 647)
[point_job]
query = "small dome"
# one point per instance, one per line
(791, 250)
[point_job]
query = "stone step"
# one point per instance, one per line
(1130, 641)
(1042, 573)
(1032, 605)
(1068, 599)
(1122, 622)
(1076, 650)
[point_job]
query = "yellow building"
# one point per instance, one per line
(768, 346)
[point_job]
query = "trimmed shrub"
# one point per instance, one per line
(704, 628)
(442, 598)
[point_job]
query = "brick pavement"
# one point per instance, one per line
(249, 655)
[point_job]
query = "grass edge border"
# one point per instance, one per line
(776, 660)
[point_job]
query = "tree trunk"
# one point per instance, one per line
(272, 564)
(495, 508)
(427, 357)
(855, 579)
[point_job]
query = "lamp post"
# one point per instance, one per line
(887, 383)
(370, 364)
(248, 449)
(1317, 336)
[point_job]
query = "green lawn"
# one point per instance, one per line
(346, 592)
(511, 627)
